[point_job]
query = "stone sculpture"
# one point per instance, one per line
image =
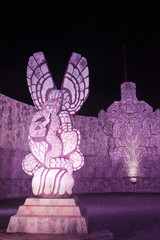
(54, 144)
(128, 127)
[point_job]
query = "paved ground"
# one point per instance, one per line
(127, 216)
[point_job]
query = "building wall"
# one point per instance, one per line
(104, 139)
(126, 150)
(15, 118)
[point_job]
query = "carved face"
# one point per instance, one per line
(53, 104)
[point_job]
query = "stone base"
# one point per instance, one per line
(51, 216)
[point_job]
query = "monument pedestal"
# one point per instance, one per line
(51, 216)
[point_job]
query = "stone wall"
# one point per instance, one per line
(121, 147)
(15, 118)
(110, 162)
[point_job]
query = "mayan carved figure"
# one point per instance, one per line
(54, 144)
(131, 138)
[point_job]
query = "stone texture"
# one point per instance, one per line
(59, 216)
(54, 144)
(104, 170)
(133, 131)
(14, 117)
(15, 187)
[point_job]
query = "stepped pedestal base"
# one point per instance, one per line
(51, 216)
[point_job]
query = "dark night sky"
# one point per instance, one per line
(97, 32)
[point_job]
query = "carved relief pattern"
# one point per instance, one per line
(133, 131)
(53, 141)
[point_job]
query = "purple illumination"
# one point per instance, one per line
(130, 136)
(53, 141)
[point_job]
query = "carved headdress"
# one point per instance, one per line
(74, 88)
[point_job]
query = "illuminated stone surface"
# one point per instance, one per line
(53, 141)
(105, 168)
(133, 132)
(37, 215)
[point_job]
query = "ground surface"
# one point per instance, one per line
(128, 216)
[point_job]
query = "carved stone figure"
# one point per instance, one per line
(132, 129)
(54, 144)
